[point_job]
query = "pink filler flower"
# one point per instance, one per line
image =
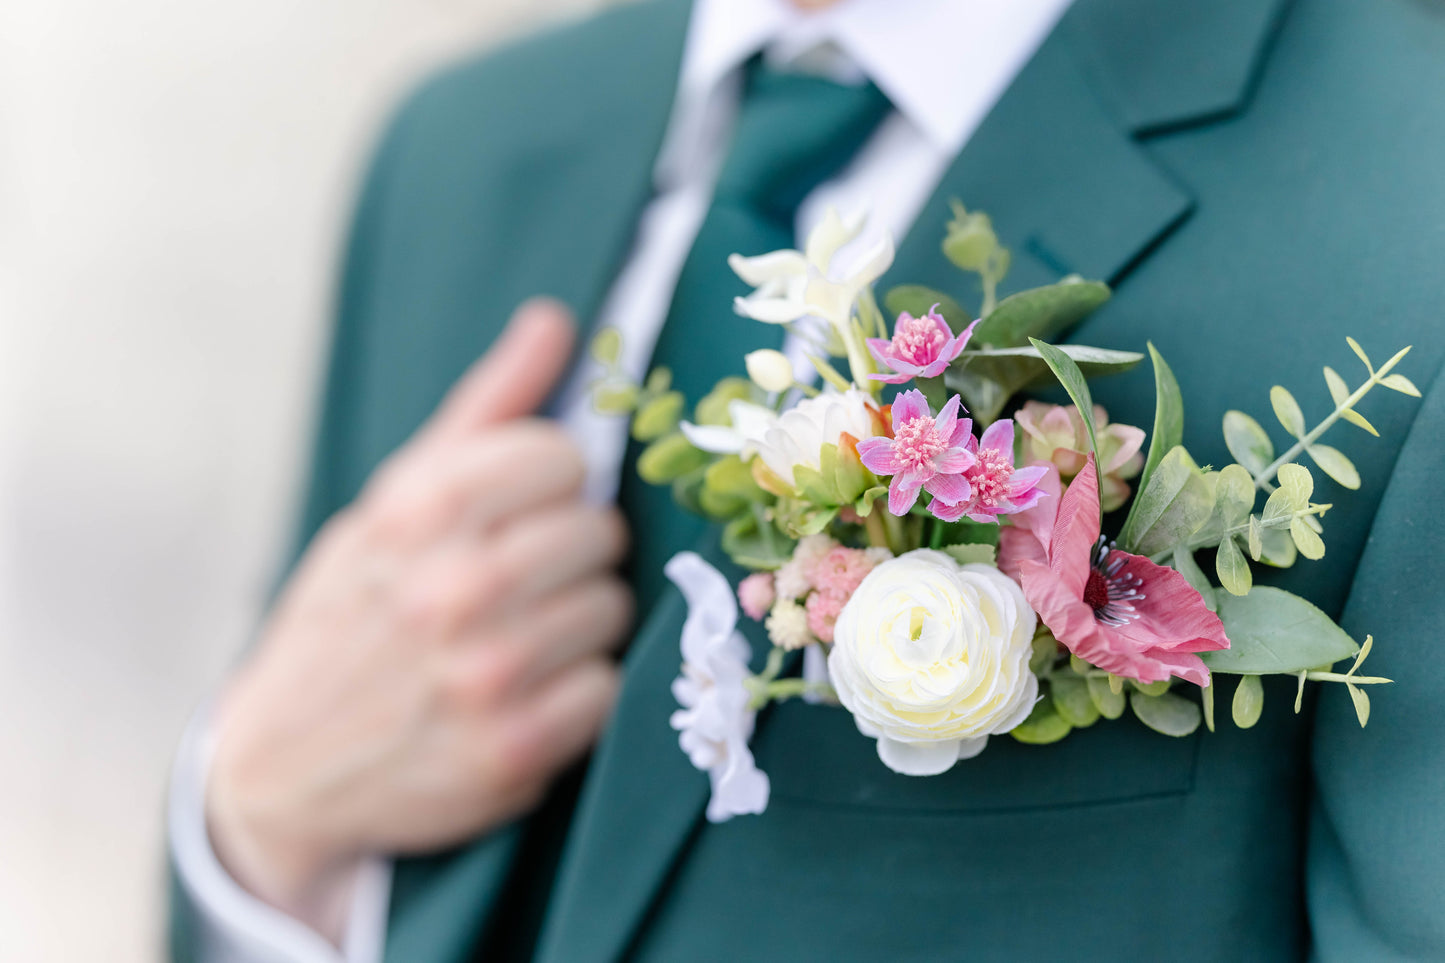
(1114, 610)
(998, 488)
(924, 453)
(756, 594)
(921, 347)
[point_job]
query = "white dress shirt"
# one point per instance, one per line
(943, 65)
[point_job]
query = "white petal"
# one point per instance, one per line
(878, 260)
(770, 310)
(968, 748)
(831, 300)
(774, 266)
(831, 233)
(919, 758)
(718, 439)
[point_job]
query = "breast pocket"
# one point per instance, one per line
(814, 755)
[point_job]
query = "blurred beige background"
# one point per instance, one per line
(173, 179)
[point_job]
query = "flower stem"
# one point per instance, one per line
(873, 524)
(792, 688)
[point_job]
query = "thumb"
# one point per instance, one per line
(516, 375)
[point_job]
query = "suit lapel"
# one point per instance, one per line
(1058, 167)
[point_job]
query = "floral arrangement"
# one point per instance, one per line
(934, 549)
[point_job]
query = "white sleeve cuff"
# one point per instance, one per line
(232, 925)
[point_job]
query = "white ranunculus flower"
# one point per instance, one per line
(715, 722)
(799, 434)
(795, 284)
(932, 658)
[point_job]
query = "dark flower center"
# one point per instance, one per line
(1110, 590)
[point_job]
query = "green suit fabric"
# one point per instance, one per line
(1258, 179)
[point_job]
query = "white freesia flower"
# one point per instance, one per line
(799, 434)
(749, 423)
(794, 284)
(932, 658)
(715, 722)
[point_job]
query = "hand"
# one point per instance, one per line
(440, 653)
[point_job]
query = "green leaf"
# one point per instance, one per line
(1109, 702)
(1277, 548)
(1073, 381)
(1173, 506)
(1044, 649)
(606, 346)
(1044, 313)
(1287, 410)
(1278, 505)
(1206, 702)
(864, 505)
(918, 301)
(816, 487)
(1072, 701)
(1355, 418)
(659, 380)
(1339, 391)
(658, 417)
(1171, 714)
(1256, 538)
(669, 457)
(1232, 569)
(1298, 484)
(1248, 701)
(1310, 545)
(1151, 688)
(988, 377)
(970, 242)
(1333, 463)
(1402, 384)
(1359, 352)
(1247, 441)
(1361, 700)
(761, 549)
(1168, 415)
(1043, 726)
(1272, 631)
(972, 553)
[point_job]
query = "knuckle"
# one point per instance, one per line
(551, 446)
(492, 674)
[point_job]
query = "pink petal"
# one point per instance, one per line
(962, 340)
(1076, 530)
(953, 460)
(952, 489)
(903, 492)
(1000, 437)
(1061, 609)
(1016, 546)
(896, 378)
(879, 455)
(948, 417)
(1172, 615)
(1131, 439)
(909, 405)
(879, 347)
(963, 436)
(946, 512)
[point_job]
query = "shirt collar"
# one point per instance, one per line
(920, 53)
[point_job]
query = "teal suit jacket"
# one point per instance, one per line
(1248, 174)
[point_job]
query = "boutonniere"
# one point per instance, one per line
(936, 549)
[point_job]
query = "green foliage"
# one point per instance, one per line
(713, 408)
(988, 377)
(970, 241)
(668, 458)
(1069, 375)
(1287, 410)
(1247, 442)
(1248, 701)
(1108, 700)
(606, 346)
(1171, 508)
(658, 416)
(1340, 394)
(1044, 313)
(1332, 462)
(1043, 726)
(1273, 631)
(1072, 702)
(1168, 416)
(918, 301)
(1232, 569)
(967, 554)
(1171, 714)
(615, 397)
(755, 544)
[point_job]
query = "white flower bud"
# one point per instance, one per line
(770, 370)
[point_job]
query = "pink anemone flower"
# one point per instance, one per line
(925, 453)
(1114, 610)
(998, 487)
(921, 347)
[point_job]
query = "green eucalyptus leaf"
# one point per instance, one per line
(658, 417)
(1234, 494)
(754, 547)
(1339, 391)
(1168, 415)
(1360, 353)
(1045, 648)
(1361, 699)
(1247, 441)
(1355, 418)
(1276, 548)
(1043, 726)
(659, 380)
(1232, 569)
(606, 346)
(1206, 702)
(1333, 463)
(669, 458)
(615, 397)
(1279, 505)
(1044, 313)
(1248, 701)
(918, 301)
(1297, 481)
(1072, 701)
(1287, 410)
(713, 408)
(1273, 631)
(1172, 507)
(1151, 688)
(1109, 702)
(1171, 714)
(1310, 545)
(1402, 384)
(1256, 538)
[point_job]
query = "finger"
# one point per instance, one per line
(507, 661)
(515, 376)
(560, 722)
(474, 484)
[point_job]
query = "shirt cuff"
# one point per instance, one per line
(232, 925)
